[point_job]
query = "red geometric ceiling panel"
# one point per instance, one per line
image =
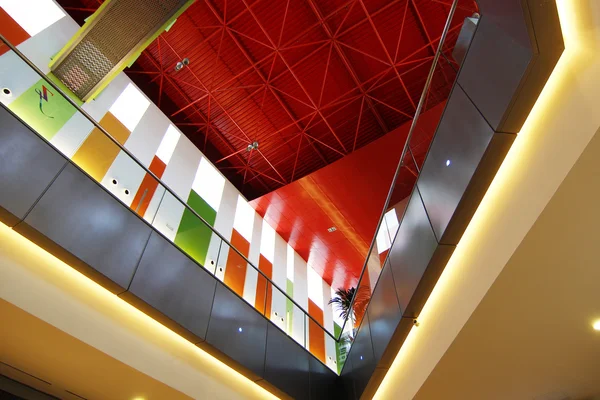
(309, 80)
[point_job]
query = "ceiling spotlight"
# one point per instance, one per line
(332, 229)
(186, 61)
(597, 325)
(252, 146)
(178, 66)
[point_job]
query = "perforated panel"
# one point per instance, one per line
(122, 26)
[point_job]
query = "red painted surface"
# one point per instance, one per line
(316, 335)
(348, 194)
(11, 31)
(235, 271)
(310, 80)
(149, 185)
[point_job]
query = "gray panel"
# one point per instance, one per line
(173, 284)
(347, 381)
(464, 39)
(384, 312)
(459, 145)
(78, 215)
(412, 250)
(287, 364)
(324, 383)
(493, 70)
(229, 314)
(362, 356)
(27, 166)
(511, 16)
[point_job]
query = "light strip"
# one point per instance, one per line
(23, 261)
(423, 348)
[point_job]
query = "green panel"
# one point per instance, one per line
(289, 290)
(193, 236)
(340, 349)
(45, 114)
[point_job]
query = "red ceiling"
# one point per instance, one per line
(310, 80)
(349, 195)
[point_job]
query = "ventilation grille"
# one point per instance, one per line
(120, 29)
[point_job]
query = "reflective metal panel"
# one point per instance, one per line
(324, 383)
(175, 285)
(492, 71)
(27, 166)
(82, 218)
(461, 140)
(384, 312)
(237, 330)
(363, 358)
(287, 364)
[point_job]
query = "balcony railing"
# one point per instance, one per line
(441, 77)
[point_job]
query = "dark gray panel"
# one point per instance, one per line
(347, 381)
(287, 364)
(459, 145)
(384, 312)
(511, 16)
(464, 39)
(229, 314)
(78, 215)
(173, 284)
(412, 250)
(362, 356)
(324, 383)
(27, 166)
(492, 71)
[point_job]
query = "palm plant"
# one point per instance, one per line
(342, 302)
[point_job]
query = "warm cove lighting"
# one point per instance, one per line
(597, 325)
(21, 257)
(421, 349)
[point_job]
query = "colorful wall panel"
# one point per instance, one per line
(147, 133)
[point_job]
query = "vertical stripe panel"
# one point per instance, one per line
(316, 335)
(235, 272)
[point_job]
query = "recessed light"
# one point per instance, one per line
(240, 329)
(448, 162)
(332, 229)
(597, 325)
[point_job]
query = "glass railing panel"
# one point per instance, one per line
(100, 149)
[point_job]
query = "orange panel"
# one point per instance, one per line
(97, 153)
(235, 271)
(11, 31)
(316, 336)
(148, 187)
(262, 293)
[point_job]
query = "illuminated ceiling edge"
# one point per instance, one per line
(83, 309)
(505, 214)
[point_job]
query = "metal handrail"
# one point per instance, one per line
(167, 188)
(404, 151)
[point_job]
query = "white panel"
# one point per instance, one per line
(168, 144)
(128, 176)
(315, 287)
(267, 241)
(330, 357)
(253, 256)
(180, 172)
(100, 105)
(224, 225)
(243, 221)
(290, 259)
(209, 184)
(72, 134)
(280, 262)
(154, 204)
(146, 137)
(169, 216)
(33, 15)
(387, 231)
(16, 76)
(130, 107)
(299, 325)
(42, 47)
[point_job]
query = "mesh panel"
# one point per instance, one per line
(120, 28)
